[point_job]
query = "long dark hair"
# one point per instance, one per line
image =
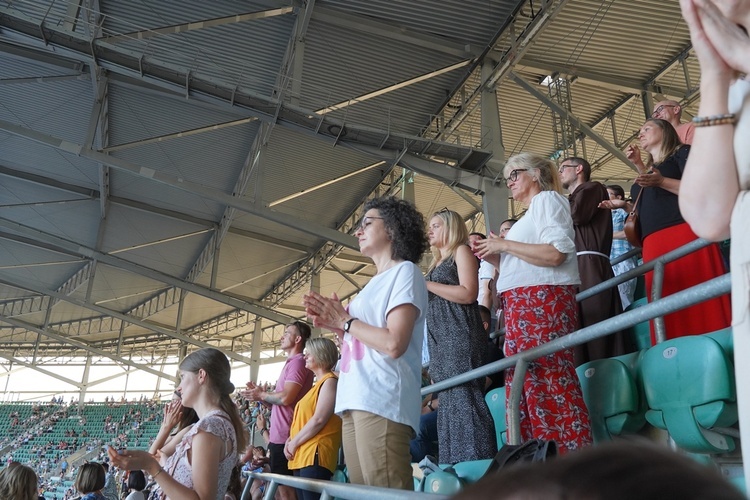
(216, 365)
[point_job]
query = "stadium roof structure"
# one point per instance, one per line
(177, 174)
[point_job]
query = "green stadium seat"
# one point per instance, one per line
(611, 393)
(640, 286)
(689, 386)
(725, 340)
(496, 403)
(640, 334)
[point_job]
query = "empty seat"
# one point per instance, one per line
(496, 403)
(640, 334)
(689, 386)
(611, 393)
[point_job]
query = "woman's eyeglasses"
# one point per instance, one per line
(366, 222)
(513, 175)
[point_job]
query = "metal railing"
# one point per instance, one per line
(655, 310)
(332, 489)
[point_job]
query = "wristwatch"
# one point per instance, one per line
(348, 324)
(429, 405)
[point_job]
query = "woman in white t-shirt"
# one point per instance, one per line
(537, 285)
(381, 333)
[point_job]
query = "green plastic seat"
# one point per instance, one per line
(640, 333)
(496, 402)
(689, 386)
(472, 471)
(611, 393)
(725, 340)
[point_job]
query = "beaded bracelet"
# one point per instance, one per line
(709, 121)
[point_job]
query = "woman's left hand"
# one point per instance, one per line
(134, 460)
(325, 312)
(494, 244)
(652, 178)
(730, 42)
(289, 449)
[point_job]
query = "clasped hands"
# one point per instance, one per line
(492, 245)
(325, 312)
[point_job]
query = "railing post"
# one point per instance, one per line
(514, 405)
(656, 288)
(270, 490)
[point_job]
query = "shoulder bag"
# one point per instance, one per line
(632, 224)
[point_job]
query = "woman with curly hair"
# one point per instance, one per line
(381, 335)
(457, 341)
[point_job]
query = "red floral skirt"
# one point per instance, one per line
(552, 406)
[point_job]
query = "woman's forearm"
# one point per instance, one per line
(710, 183)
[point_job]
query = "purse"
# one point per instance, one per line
(632, 224)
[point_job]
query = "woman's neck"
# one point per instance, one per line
(384, 261)
(320, 373)
(203, 408)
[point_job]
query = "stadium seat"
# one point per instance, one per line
(689, 386)
(611, 393)
(725, 340)
(640, 334)
(496, 402)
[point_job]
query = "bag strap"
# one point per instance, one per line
(637, 199)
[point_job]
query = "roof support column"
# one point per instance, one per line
(495, 197)
(315, 287)
(84, 384)
(407, 186)
(255, 350)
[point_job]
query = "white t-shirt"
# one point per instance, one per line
(486, 272)
(547, 221)
(370, 380)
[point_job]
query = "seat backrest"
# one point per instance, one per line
(689, 386)
(612, 398)
(640, 333)
(725, 340)
(496, 403)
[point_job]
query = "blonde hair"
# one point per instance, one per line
(18, 482)
(541, 169)
(455, 234)
(324, 351)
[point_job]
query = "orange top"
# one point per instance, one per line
(326, 442)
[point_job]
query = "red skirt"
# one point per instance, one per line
(683, 273)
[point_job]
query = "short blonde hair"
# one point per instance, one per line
(19, 482)
(455, 233)
(541, 169)
(324, 351)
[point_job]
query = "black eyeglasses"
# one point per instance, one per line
(661, 108)
(563, 167)
(366, 222)
(513, 175)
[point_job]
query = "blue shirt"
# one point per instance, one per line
(619, 247)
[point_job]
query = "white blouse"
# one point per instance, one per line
(547, 221)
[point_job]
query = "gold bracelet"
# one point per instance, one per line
(161, 469)
(709, 121)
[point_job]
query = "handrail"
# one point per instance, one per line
(331, 489)
(712, 288)
(627, 255)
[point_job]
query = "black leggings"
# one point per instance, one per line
(312, 472)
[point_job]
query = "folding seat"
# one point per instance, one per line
(612, 396)
(640, 333)
(689, 386)
(496, 403)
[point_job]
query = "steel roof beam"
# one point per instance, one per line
(371, 26)
(197, 25)
(28, 326)
(115, 314)
(41, 370)
(576, 74)
(74, 248)
(573, 119)
(183, 185)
